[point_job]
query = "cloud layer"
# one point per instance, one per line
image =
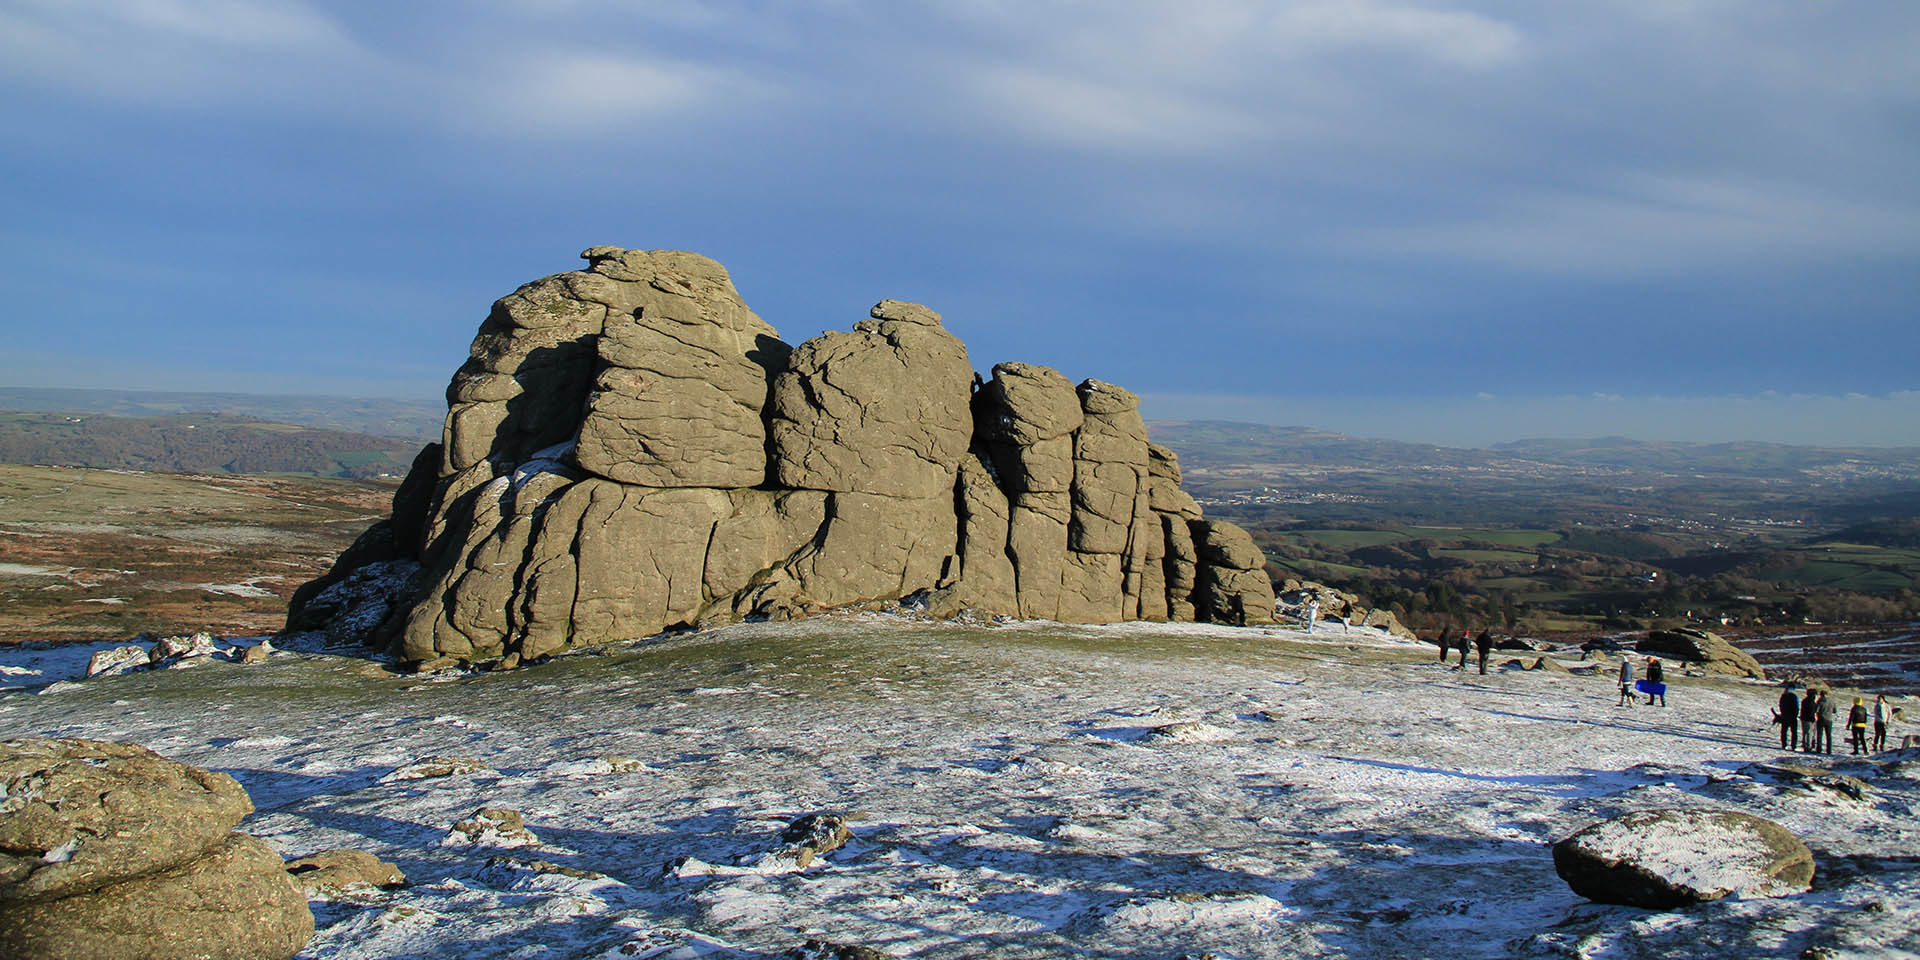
(1653, 197)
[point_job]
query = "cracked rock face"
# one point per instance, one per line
(630, 448)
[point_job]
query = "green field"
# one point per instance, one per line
(1508, 538)
(1488, 556)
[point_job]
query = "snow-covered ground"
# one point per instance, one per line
(1020, 790)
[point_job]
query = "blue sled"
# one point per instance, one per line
(1650, 688)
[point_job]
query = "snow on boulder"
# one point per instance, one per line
(1184, 912)
(1188, 731)
(427, 768)
(815, 834)
(186, 646)
(492, 827)
(117, 660)
(1662, 859)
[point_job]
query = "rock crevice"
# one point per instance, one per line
(630, 448)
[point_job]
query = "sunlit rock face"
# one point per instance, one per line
(628, 448)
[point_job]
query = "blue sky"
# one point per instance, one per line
(1460, 222)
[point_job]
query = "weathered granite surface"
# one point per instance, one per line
(630, 448)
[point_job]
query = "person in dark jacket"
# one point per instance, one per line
(1445, 641)
(1881, 715)
(1656, 678)
(1809, 716)
(1788, 718)
(1484, 643)
(1823, 723)
(1857, 726)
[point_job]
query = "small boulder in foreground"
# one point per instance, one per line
(340, 871)
(1663, 859)
(109, 851)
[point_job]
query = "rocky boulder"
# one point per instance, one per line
(109, 851)
(1810, 779)
(235, 902)
(1711, 652)
(813, 835)
(1341, 605)
(828, 950)
(1662, 859)
(116, 661)
(334, 872)
(629, 448)
(492, 827)
(76, 815)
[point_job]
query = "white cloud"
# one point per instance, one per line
(588, 93)
(150, 51)
(1091, 113)
(1447, 36)
(1204, 77)
(483, 75)
(1653, 224)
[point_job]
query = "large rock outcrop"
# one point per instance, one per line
(109, 851)
(630, 448)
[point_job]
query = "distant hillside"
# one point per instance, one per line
(198, 443)
(1739, 459)
(1223, 442)
(1217, 443)
(405, 419)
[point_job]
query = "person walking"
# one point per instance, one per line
(1445, 641)
(1857, 726)
(1787, 716)
(1809, 716)
(1485, 644)
(1626, 683)
(1466, 643)
(1880, 717)
(1823, 724)
(1656, 682)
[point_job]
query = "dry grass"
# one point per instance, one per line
(89, 555)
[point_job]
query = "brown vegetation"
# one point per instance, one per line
(88, 555)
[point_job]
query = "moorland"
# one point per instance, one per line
(1568, 536)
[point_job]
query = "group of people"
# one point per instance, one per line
(1655, 686)
(1483, 643)
(1806, 722)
